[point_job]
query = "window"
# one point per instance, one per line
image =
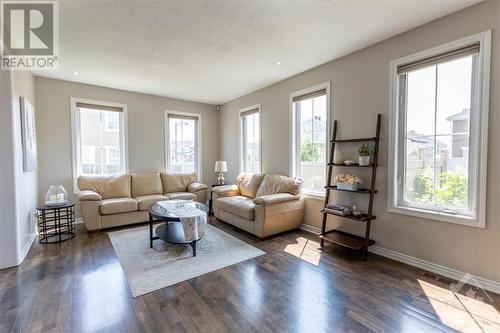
(112, 121)
(99, 138)
(439, 123)
(113, 155)
(182, 142)
(460, 135)
(310, 116)
(250, 148)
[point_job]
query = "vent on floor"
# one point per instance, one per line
(437, 277)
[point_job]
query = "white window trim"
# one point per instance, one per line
(75, 135)
(293, 131)
(481, 148)
(241, 159)
(198, 143)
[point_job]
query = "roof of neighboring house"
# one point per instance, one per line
(421, 138)
(318, 123)
(461, 115)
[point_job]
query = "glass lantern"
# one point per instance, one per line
(56, 196)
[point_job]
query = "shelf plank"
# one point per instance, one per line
(354, 140)
(360, 190)
(362, 218)
(345, 239)
(355, 165)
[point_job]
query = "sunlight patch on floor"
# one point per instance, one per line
(465, 313)
(306, 250)
(104, 295)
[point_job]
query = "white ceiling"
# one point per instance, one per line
(222, 49)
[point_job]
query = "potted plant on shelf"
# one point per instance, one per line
(347, 182)
(365, 153)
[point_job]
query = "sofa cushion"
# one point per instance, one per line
(176, 182)
(273, 184)
(145, 201)
(146, 184)
(249, 183)
(118, 206)
(237, 205)
(107, 187)
(181, 196)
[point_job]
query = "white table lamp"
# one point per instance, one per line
(221, 167)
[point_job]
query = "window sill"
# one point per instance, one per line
(314, 195)
(438, 216)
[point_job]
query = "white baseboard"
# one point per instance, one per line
(451, 273)
(310, 228)
(26, 248)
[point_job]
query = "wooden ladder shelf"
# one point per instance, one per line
(339, 237)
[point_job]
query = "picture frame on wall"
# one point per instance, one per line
(28, 135)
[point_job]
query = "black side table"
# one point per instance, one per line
(210, 201)
(56, 223)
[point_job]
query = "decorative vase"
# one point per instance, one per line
(364, 160)
(56, 196)
(347, 187)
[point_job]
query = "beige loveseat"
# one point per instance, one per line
(119, 200)
(260, 204)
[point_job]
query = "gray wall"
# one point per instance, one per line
(360, 90)
(145, 129)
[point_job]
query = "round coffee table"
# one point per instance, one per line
(172, 231)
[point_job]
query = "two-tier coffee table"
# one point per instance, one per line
(172, 230)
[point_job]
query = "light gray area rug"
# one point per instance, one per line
(166, 264)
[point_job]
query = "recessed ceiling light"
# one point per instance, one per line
(76, 73)
(208, 97)
(278, 62)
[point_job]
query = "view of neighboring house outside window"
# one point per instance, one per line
(99, 138)
(439, 161)
(182, 142)
(310, 128)
(250, 145)
(96, 142)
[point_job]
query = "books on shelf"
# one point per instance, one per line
(337, 209)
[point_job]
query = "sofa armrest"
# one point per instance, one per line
(195, 187)
(91, 214)
(226, 191)
(275, 198)
(279, 217)
(88, 195)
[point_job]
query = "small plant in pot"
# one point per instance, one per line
(365, 154)
(347, 182)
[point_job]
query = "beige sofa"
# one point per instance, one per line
(120, 200)
(260, 204)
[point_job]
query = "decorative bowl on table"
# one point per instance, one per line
(56, 196)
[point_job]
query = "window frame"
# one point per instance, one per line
(76, 135)
(242, 149)
(478, 135)
(198, 141)
(293, 143)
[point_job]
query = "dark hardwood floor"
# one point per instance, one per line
(79, 286)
